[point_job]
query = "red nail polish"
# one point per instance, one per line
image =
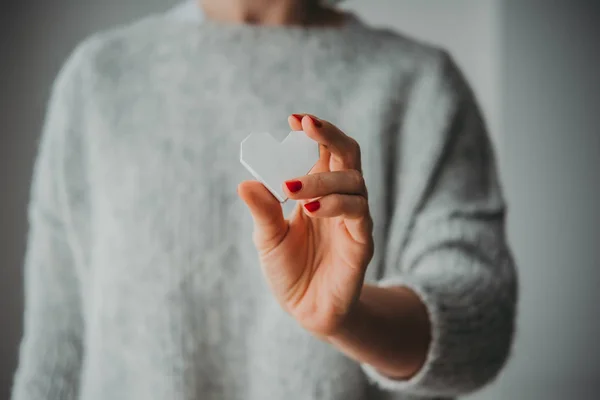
(298, 117)
(313, 206)
(294, 186)
(315, 121)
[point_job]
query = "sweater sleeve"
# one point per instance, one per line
(455, 255)
(51, 348)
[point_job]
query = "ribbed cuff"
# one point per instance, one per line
(417, 383)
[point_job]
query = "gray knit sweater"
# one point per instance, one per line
(141, 278)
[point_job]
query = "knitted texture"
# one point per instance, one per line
(141, 278)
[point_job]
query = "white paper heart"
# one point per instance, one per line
(272, 162)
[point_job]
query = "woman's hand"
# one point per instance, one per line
(315, 262)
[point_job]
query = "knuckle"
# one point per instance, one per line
(362, 204)
(348, 160)
(357, 178)
(352, 155)
(355, 147)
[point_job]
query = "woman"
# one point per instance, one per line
(142, 274)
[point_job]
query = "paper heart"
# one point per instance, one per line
(272, 162)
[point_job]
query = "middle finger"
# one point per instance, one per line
(325, 183)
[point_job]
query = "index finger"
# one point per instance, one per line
(342, 147)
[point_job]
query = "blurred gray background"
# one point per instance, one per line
(534, 65)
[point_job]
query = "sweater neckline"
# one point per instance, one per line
(238, 31)
(350, 20)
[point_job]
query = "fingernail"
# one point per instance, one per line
(294, 186)
(315, 121)
(298, 117)
(313, 206)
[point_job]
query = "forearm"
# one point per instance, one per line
(388, 329)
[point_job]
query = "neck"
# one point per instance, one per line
(270, 12)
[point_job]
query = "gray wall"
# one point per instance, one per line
(550, 157)
(35, 38)
(532, 67)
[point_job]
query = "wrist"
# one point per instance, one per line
(387, 328)
(356, 316)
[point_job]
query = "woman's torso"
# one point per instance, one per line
(175, 303)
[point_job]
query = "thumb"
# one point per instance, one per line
(270, 227)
